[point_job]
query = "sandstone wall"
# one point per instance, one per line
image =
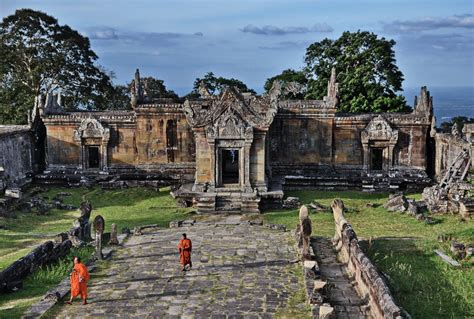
(302, 142)
(16, 147)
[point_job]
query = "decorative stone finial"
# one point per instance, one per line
(424, 103)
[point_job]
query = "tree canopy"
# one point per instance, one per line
(366, 71)
(156, 89)
(216, 84)
(287, 76)
(39, 56)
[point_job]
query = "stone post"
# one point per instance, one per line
(304, 229)
(113, 235)
(99, 225)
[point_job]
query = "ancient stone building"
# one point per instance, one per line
(238, 151)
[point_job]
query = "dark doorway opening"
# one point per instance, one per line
(230, 166)
(377, 159)
(93, 153)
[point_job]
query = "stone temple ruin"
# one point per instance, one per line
(234, 151)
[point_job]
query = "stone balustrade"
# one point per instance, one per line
(369, 282)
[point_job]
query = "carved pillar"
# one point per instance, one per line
(390, 156)
(214, 166)
(365, 147)
(246, 160)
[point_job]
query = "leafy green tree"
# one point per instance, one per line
(287, 76)
(216, 84)
(156, 89)
(39, 56)
(366, 71)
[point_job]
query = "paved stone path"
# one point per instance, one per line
(239, 271)
(342, 295)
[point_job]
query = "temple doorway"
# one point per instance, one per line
(230, 166)
(376, 159)
(93, 156)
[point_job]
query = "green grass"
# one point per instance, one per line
(13, 305)
(401, 247)
(26, 230)
(126, 208)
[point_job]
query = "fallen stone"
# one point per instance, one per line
(317, 207)
(469, 251)
(319, 285)
(276, 227)
(326, 312)
(309, 264)
(458, 249)
(13, 193)
(447, 259)
(291, 203)
(396, 203)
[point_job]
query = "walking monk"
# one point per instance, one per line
(79, 278)
(184, 249)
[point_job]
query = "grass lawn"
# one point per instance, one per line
(24, 231)
(402, 248)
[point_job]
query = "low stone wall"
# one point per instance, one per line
(369, 281)
(48, 252)
(11, 278)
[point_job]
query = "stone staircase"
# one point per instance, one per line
(231, 202)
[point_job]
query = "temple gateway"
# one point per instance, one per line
(236, 151)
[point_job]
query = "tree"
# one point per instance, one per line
(156, 89)
(39, 56)
(459, 121)
(366, 71)
(287, 76)
(217, 84)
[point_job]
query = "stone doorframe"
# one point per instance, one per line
(220, 139)
(379, 134)
(92, 133)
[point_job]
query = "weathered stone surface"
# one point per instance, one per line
(231, 285)
(396, 203)
(113, 235)
(291, 203)
(458, 249)
(13, 193)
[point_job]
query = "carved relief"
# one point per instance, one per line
(91, 128)
(379, 129)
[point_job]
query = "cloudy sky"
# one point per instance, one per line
(251, 40)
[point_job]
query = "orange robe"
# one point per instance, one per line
(184, 249)
(79, 278)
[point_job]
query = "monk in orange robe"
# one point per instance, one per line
(79, 278)
(185, 246)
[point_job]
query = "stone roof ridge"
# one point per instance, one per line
(291, 104)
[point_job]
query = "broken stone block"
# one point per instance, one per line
(412, 209)
(458, 249)
(469, 251)
(291, 203)
(466, 209)
(317, 207)
(326, 312)
(396, 203)
(309, 264)
(113, 235)
(13, 193)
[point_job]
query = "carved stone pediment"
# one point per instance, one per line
(232, 107)
(379, 129)
(91, 128)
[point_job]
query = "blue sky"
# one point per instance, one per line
(252, 40)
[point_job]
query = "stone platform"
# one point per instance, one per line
(239, 271)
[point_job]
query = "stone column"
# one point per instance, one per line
(99, 226)
(365, 147)
(213, 171)
(246, 166)
(113, 235)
